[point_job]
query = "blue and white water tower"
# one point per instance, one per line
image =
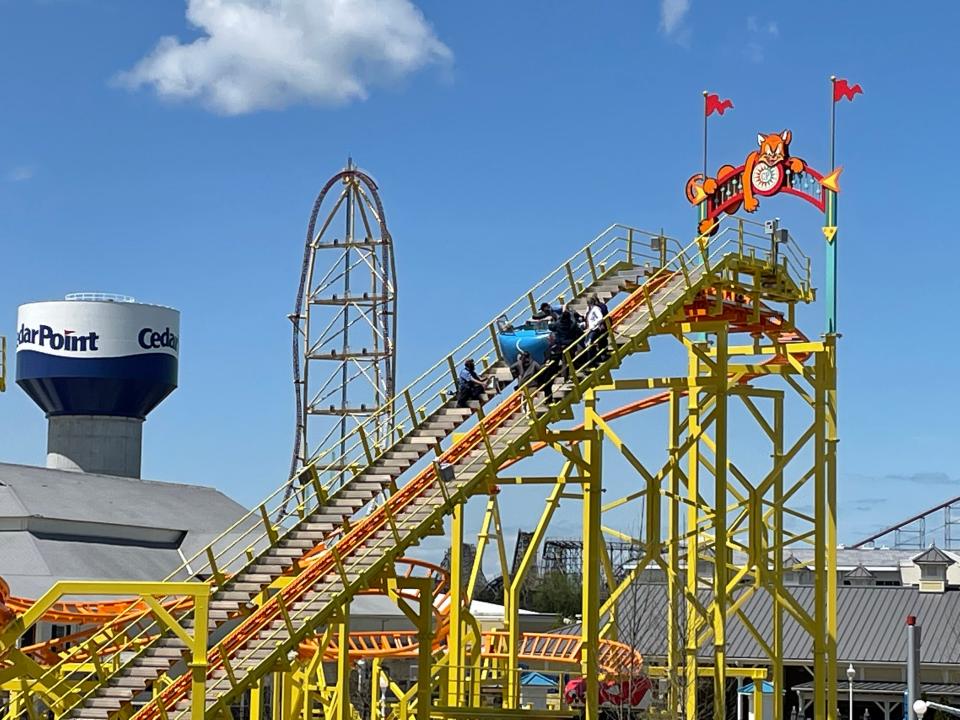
(97, 364)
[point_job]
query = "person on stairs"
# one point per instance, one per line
(470, 386)
(565, 335)
(526, 368)
(597, 328)
(547, 312)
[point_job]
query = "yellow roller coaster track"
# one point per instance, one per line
(352, 536)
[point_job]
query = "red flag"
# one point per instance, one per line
(714, 103)
(843, 89)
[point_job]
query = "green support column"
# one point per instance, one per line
(830, 221)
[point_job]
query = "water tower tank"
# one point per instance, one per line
(97, 364)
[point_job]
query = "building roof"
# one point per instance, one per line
(933, 556)
(60, 525)
(874, 559)
(859, 572)
(880, 687)
(871, 624)
(531, 678)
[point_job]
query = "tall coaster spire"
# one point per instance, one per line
(344, 321)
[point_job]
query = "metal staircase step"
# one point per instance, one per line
(310, 528)
(404, 454)
(110, 703)
(87, 712)
(375, 485)
(286, 552)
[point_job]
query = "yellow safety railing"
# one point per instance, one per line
(154, 613)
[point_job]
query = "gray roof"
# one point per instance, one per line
(59, 525)
(871, 622)
(859, 572)
(879, 687)
(848, 558)
(874, 559)
(933, 556)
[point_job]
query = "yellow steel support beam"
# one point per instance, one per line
(693, 538)
(776, 665)
(720, 529)
(592, 536)
(820, 669)
(342, 709)
(674, 624)
(829, 380)
(511, 610)
(455, 648)
(422, 617)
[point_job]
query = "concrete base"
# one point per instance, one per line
(95, 444)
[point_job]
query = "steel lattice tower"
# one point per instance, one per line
(345, 320)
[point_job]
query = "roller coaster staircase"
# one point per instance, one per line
(354, 513)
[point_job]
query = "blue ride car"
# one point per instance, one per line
(533, 336)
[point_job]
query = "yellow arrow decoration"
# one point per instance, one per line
(829, 231)
(830, 182)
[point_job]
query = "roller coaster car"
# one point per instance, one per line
(533, 336)
(628, 692)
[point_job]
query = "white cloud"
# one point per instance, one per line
(21, 173)
(672, 13)
(757, 32)
(262, 54)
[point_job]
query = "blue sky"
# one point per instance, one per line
(183, 173)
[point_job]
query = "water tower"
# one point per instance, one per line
(97, 364)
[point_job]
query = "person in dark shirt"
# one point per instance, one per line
(470, 386)
(565, 330)
(547, 312)
(524, 368)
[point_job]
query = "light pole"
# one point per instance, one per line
(361, 665)
(384, 684)
(921, 706)
(851, 674)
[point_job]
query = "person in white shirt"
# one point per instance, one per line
(596, 312)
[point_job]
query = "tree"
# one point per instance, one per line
(557, 593)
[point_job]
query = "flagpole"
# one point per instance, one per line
(704, 134)
(833, 122)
